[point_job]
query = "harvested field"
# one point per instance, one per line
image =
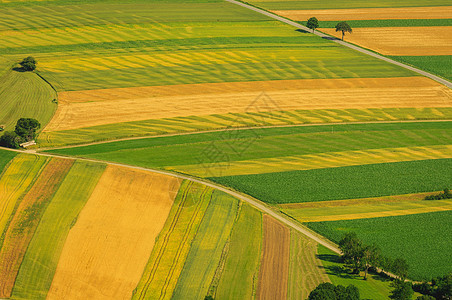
(315, 161)
(106, 251)
(93, 108)
(242, 263)
(403, 41)
(206, 250)
(34, 280)
(15, 181)
(429, 12)
(26, 219)
(274, 267)
(170, 252)
(305, 268)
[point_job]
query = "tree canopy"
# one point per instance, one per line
(344, 27)
(312, 23)
(28, 63)
(26, 128)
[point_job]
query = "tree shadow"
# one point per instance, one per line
(329, 257)
(19, 69)
(302, 31)
(331, 38)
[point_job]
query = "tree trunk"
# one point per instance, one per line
(343, 33)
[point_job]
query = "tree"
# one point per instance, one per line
(328, 291)
(352, 250)
(370, 258)
(425, 297)
(208, 298)
(400, 268)
(26, 128)
(344, 27)
(10, 140)
(313, 23)
(28, 63)
(443, 287)
(402, 290)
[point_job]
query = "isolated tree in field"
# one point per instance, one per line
(28, 63)
(313, 23)
(26, 128)
(400, 268)
(344, 27)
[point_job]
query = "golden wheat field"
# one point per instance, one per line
(90, 108)
(107, 250)
(403, 41)
(431, 12)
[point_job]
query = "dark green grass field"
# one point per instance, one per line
(424, 240)
(161, 152)
(5, 158)
(345, 182)
(438, 64)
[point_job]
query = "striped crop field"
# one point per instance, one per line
(5, 158)
(422, 239)
(34, 280)
(128, 209)
(241, 267)
(210, 241)
(25, 221)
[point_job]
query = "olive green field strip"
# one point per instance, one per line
(254, 149)
(25, 95)
(362, 209)
(236, 120)
(375, 287)
(210, 240)
(15, 181)
(161, 48)
(26, 219)
(173, 244)
(5, 159)
(239, 277)
(34, 280)
(305, 269)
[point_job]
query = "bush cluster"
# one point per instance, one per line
(446, 194)
(25, 131)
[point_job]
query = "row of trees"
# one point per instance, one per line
(25, 131)
(446, 194)
(343, 26)
(360, 257)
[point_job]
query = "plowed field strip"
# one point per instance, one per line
(15, 181)
(305, 271)
(316, 161)
(168, 256)
(403, 41)
(430, 12)
(106, 251)
(34, 279)
(26, 219)
(330, 94)
(274, 268)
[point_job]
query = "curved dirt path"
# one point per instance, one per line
(322, 35)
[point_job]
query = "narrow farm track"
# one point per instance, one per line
(359, 49)
(255, 203)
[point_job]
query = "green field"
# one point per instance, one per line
(320, 4)
(345, 182)
(5, 158)
(213, 122)
(439, 64)
(375, 287)
(173, 151)
(170, 251)
(25, 95)
(424, 240)
(33, 280)
(241, 267)
(198, 272)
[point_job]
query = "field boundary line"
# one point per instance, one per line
(346, 44)
(233, 129)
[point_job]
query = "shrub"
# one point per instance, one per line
(28, 63)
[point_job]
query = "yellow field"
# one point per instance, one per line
(107, 250)
(90, 108)
(433, 40)
(433, 12)
(365, 208)
(316, 161)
